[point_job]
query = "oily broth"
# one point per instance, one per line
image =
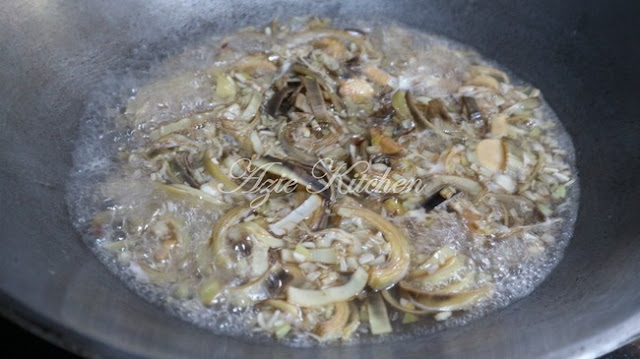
(510, 265)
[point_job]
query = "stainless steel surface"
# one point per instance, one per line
(52, 53)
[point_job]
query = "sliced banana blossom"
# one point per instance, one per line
(299, 214)
(333, 328)
(437, 259)
(435, 183)
(388, 297)
(445, 301)
(285, 307)
(445, 272)
(293, 172)
(267, 286)
(262, 235)
(218, 243)
(320, 297)
(397, 264)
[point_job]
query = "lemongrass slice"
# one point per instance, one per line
(379, 322)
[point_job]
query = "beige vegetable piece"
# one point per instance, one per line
(378, 316)
(356, 90)
(490, 71)
(485, 81)
(491, 154)
(225, 87)
(387, 144)
(499, 126)
(256, 65)
(332, 47)
(285, 307)
(377, 75)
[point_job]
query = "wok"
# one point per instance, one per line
(579, 53)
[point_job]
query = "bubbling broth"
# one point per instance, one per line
(315, 184)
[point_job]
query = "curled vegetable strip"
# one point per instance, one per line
(446, 301)
(183, 124)
(216, 172)
(333, 328)
(285, 307)
(320, 297)
(307, 149)
(437, 259)
(453, 287)
(252, 107)
(420, 119)
(260, 289)
(181, 191)
(354, 322)
(262, 235)
(394, 303)
(292, 172)
(397, 264)
(291, 220)
(450, 267)
(437, 182)
(219, 233)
